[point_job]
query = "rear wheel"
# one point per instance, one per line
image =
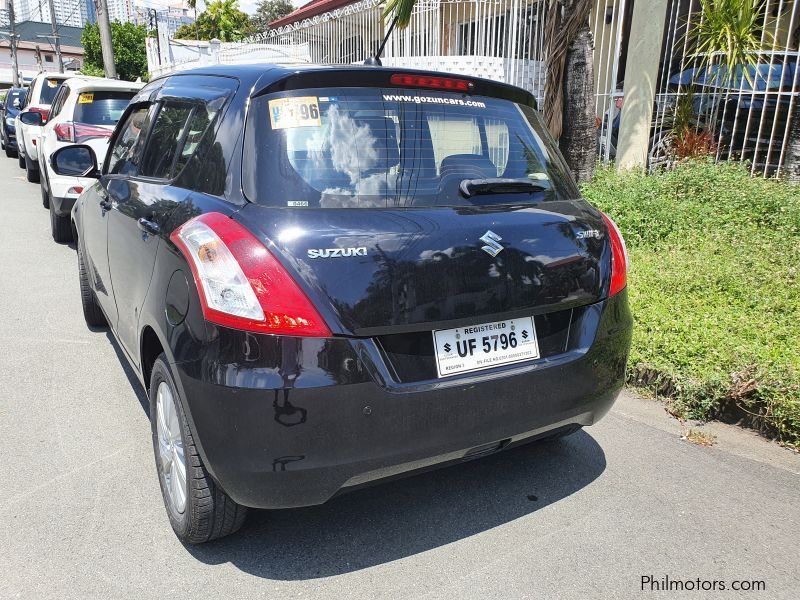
(20, 160)
(60, 226)
(31, 171)
(45, 195)
(10, 153)
(91, 309)
(199, 511)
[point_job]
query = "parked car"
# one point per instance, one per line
(9, 109)
(327, 276)
(83, 111)
(41, 92)
(747, 112)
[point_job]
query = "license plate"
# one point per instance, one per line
(465, 349)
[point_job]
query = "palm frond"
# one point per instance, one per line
(402, 9)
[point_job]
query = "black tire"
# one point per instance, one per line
(60, 227)
(92, 314)
(20, 160)
(209, 513)
(10, 153)
(45, 195)
(31, 171)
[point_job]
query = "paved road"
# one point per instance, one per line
(81, 514)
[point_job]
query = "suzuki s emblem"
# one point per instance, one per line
(493, 246)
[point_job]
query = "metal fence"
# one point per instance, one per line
(702, 107)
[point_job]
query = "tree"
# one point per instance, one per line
(569, 90)
(221, 20)
(268, 11)
(130, 54)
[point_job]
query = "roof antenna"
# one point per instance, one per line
(375, 61)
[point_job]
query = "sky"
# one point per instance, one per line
(249, 6)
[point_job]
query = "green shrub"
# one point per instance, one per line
(715, 290)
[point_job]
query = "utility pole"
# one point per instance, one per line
(104, 25)
(56, 37)
(13, 43)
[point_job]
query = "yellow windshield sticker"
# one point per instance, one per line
(300, 111)
(52, 82)
(85, 98)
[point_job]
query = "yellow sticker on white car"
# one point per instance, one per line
(300, 111)
(85, 98)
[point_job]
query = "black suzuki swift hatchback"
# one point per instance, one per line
(330, 276)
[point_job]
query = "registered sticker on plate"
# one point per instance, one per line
(465, 349)
(299, 111)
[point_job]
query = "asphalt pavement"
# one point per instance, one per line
(81, 514)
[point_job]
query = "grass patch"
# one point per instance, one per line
(715, 290)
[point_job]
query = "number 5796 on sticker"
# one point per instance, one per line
(300, 111)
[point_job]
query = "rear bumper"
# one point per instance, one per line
(63, 206)
(293, 421)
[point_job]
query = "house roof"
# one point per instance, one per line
(29, 31)
(312, 9)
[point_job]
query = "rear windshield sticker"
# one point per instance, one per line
(53, 82)
(300, 111)
(297, 203)
(433, 100)
(85, 98)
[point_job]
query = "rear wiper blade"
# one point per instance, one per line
(500, 185)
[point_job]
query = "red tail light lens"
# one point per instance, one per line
(45, 112)
(619, 257)
(64, 132)
(436, 83)
(80, 132)
(241, 284)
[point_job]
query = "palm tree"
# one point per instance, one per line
(569, 90)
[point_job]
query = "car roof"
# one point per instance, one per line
(82, 84)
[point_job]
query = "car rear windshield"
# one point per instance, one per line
(50, 86)
(387, 148)
(15, 95)
(101, 108)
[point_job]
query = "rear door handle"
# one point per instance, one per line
(148, 226)
(105, 204)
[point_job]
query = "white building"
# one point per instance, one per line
(68, 12)
(121, 10)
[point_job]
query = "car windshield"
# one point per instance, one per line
(385, 148)
(50, 86)
(101, 108)
(15, 95)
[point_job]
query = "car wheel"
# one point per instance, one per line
(10, 153)
(60, 227)
(20, 160)
(198, 509)
(92, 314)
(31, 172)
(45, 195)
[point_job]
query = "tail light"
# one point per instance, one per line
(437, 83)
(619, 257)
(241, 285)
(45, 112)
(80, 132)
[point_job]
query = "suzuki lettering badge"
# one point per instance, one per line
(492, 241)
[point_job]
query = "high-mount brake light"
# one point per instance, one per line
(240, 283)
(447, 84)
(619, 257)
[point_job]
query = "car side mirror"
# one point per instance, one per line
(75, 161)
(31, 118)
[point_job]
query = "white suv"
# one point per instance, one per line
(42, 90)
(84, 111)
